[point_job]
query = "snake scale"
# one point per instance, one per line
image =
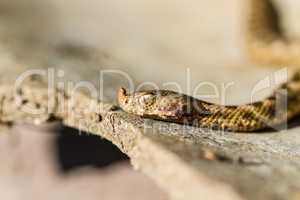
(171, 106)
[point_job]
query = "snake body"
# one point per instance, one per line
(171, 106)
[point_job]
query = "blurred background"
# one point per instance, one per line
(151, 41)
(155, 41)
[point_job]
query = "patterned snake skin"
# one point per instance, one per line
(179, 108)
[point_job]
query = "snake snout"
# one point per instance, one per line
(122, 96)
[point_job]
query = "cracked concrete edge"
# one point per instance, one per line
(171, 172)
(265, 41)
(187, 169)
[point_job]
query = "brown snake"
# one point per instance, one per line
(179, 108)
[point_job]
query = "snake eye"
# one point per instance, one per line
(147, 99)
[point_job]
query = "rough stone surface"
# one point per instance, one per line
(187, 162)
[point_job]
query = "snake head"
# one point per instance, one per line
(158, 104)
(139, 103)
(122, 96)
